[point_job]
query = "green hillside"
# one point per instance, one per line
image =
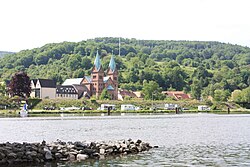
(193, 66)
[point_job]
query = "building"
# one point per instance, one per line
(177, 95)
(99, 80)
(92, 85)
(71, 91)
(123, 93)
(43, 88)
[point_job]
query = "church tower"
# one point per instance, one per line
(97, 76)
(112, 73)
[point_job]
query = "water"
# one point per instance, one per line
(183, 140)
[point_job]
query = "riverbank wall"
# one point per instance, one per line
(16, 153)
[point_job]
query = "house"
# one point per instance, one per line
(71, 91)
(43, 88)
(122, 93)
(177, 95)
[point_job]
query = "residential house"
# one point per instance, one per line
(43, 88)
(71, 91)
(177, 95)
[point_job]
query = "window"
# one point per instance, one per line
(94, 76)
(100, 77)
(115, 78)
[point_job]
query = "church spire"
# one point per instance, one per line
(112, 65)
(97, 62)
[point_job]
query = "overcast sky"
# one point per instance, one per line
(26, 24)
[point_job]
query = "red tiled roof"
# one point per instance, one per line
(178, 95)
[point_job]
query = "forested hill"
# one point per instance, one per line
(178, 65)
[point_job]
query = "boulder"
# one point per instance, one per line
(81, 157)
(102, 151)
(11, 156)
(48, 155)
(71, 157)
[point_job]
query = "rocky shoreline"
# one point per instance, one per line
(16, 153)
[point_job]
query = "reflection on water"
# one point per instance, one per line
(183, 140)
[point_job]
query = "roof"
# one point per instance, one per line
(105, 79)
(69, 89)
(97, 62)
(88, 78)
(124, 93)
(110, 87)
(112, 63)
(47, 83)
(177, 94)
(72, 81)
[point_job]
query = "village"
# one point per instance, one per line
(99, 82)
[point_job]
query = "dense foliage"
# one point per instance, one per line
(201, 68)
(20, 85)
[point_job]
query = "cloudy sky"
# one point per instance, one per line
(26, 24)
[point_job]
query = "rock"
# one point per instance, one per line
(71, 157)
(124, 145)
(58, 155)
(42, 152)
(138, 141)
(11, 156)
(43, 143)
(81, 157)
(110, 150)
(102, 151)
(48, 155)
(2, 155)
(96, 154)
(87, 151)
(80, 145)
(33, 154)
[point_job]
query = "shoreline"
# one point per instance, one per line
(34, 113)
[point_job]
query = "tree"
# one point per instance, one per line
(151, 90)
(20, 85)
(236, 96)
(105, 95)
(221, 95)
(196, 89)
(246, 95)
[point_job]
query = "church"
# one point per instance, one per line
(99, 80)
(92, 85)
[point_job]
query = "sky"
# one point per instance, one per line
(27, 24)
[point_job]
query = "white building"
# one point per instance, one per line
(43, 88)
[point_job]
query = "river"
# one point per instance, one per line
(183, 140)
